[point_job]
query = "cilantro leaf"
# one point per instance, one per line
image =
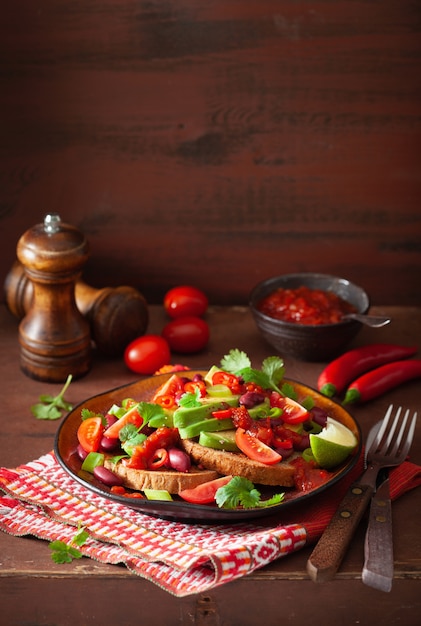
(241, 492)
(269, 376)
(273, 366)
(148, 410)
(81, 536)
(51, 407)
(65, 553)
(86, 414)
(190, 399)
(235, 360)
(289, 391)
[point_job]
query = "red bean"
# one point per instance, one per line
(179, 460)
(285, 452)
(108, 444)
(110, 420)
(107, 477)
(251, 399)
(81, 452)
(319, 416)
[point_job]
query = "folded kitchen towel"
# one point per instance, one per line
(42, 500)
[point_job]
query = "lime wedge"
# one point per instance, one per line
(333, 444)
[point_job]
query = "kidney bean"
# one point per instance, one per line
(251, 399)
(109, 420)
(108, 444)
(319, 415)
(285, 452)
(107, 477)
(303, 443)
(179, 460)
(81, 452)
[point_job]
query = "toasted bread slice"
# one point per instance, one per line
(238, 464)
(171, 481)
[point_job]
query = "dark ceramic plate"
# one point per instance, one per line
(66, 444)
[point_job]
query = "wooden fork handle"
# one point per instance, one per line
(328, 553)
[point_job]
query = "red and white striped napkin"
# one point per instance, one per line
(42, 500)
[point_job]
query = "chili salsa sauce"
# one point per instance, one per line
(305, 306)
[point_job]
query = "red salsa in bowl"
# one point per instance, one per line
(304, 305)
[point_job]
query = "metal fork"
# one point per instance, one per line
(388, 448)
(378, 546)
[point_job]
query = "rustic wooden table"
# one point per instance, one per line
(34, 590)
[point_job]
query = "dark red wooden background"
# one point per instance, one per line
(217, 142)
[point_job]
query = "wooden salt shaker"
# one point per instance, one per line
(116, 315)
(54, 336)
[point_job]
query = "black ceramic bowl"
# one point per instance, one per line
(309, 342)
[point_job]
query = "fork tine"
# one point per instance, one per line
(378, 438)
(399, 437)
(409, 436)
(392, 429)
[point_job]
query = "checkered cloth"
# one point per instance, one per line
(42, 500)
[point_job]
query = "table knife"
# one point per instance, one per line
(326, 557)
(378, 547)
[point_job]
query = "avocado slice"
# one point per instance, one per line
(185, 416)
(211, 424)
(222, 440)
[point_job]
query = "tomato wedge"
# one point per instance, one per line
(292, 411)
(171, 387)
(89, 433)
(204, 493)
(131, 417)
(256, 449)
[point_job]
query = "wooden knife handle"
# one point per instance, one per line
(327, 556)
(378, 548)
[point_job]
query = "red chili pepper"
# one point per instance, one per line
(382, 379)
(341, 371)
(222, 414)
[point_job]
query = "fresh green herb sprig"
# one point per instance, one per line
(269, 376)
(241, 492)
(65, 553)
(51, 407)
(190, 399)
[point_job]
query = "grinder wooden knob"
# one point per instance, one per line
(54, 336)
(116, 315)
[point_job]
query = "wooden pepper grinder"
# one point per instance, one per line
(54, 336)
(116, 315)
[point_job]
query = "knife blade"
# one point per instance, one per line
(324, 561)
(378, 547)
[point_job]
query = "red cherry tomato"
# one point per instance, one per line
(186, 334)
(292, 412)
(89, 433)
(131, 417)
(146, 354)
(255, 449)
(185, 300)
(204, 493)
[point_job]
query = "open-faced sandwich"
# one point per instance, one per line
(201, 431)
